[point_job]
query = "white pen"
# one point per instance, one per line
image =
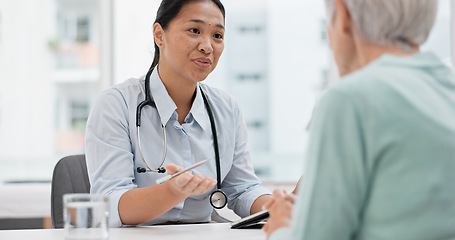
(168, 177)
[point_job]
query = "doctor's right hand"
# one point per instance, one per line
(187, 184)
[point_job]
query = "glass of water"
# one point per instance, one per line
(86, 216)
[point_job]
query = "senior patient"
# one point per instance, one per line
(382, 141)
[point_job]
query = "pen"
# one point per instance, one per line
(168, 177)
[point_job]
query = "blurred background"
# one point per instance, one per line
(57, 55)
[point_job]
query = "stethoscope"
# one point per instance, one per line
(218, 198)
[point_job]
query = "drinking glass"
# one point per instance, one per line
(86, 216)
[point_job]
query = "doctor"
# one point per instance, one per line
(175, 126)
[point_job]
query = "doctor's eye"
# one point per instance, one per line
(218, 36)
(195, 30)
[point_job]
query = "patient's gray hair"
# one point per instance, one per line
(390, 22)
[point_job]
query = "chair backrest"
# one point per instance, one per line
(70, 176)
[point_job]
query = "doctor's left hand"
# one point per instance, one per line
(280, 209)
(187, 184)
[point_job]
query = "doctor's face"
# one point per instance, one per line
(192, 43)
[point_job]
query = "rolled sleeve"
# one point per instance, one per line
(114, 217)
(243, 206)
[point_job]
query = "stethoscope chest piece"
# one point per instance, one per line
(218, 199)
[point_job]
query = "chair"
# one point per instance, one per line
(70, 176)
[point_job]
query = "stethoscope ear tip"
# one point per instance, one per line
(161, 170)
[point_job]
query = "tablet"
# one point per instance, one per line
(165, 178)
(252, 221)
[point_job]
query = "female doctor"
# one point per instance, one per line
(164, 118)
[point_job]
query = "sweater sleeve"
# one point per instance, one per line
(332, 192)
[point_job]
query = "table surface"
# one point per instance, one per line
(218, 231)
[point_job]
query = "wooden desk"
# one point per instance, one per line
(212, 231)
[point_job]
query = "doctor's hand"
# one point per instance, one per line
(187, 184)
(280, 209)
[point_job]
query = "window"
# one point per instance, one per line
(49, 101)
(324, 31)
(290, 57)
(82, 29)
(247, 41)
(75, 45)
(73, 28)
(79, 115)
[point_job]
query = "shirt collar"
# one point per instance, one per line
(164, 103)
(199, 111)
(419, 60)
(166, 106)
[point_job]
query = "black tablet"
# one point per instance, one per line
(252, 221)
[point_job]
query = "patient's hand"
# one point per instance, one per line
(280, 209)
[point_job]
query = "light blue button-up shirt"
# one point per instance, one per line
(112, 149)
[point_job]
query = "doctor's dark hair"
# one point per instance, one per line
(168, 10)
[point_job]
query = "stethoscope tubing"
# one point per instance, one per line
(148, 168)
(215, 140)
(218, 194)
